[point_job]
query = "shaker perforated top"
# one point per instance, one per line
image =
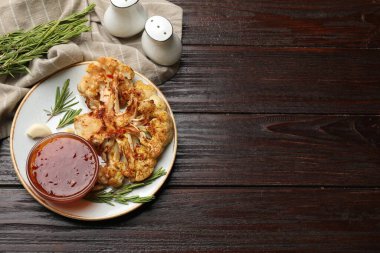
(158, 28)
(123, 3)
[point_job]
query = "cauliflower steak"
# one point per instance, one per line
(129, 140)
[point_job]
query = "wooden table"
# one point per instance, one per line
(277, 107)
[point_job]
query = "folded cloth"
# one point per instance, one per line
(25, 14)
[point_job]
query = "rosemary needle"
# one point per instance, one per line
(63, 100)
(134, 199)
(120, 195)
(68, 118)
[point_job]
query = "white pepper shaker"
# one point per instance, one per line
(160, 43)
(125, 18)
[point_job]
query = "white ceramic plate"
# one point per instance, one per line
(31, 110)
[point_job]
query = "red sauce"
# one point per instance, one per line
(62, 166)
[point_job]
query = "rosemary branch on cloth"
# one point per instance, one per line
(19, 48)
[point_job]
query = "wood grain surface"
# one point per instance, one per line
(277, 107)
(290, 23)
(286, 80)
(206, 220)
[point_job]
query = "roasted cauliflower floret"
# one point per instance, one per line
(144, 90)
(158, 102)
(144, 163)
(110, 175)
(91, 127)
(101, 74)
(146, 108)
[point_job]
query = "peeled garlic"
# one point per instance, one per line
(38, 131)
(159, 102)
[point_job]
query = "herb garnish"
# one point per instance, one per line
(68, 118)
(120, 195)
(19, 48)
(63, 101)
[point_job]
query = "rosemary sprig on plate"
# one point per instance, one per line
(120, 195)
(68, 118)
(19, 48)
(63, 101)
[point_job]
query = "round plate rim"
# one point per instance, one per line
(40, 200)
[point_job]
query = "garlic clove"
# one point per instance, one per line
(38, 131)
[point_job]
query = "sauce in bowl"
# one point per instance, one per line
(62, 167)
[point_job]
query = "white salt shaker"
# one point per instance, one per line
(125, 18)
(160, 43)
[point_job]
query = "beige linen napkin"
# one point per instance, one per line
(25, 14)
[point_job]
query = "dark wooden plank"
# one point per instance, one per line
(216, 149)
(259, 80)
(277, 150)
(290, 23)
(206, 220)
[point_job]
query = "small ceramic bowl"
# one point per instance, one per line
(62, 167)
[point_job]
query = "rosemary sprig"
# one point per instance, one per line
(68, 118)
(63, 100)
(19, 48)
(134, 199)
(120, 195)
